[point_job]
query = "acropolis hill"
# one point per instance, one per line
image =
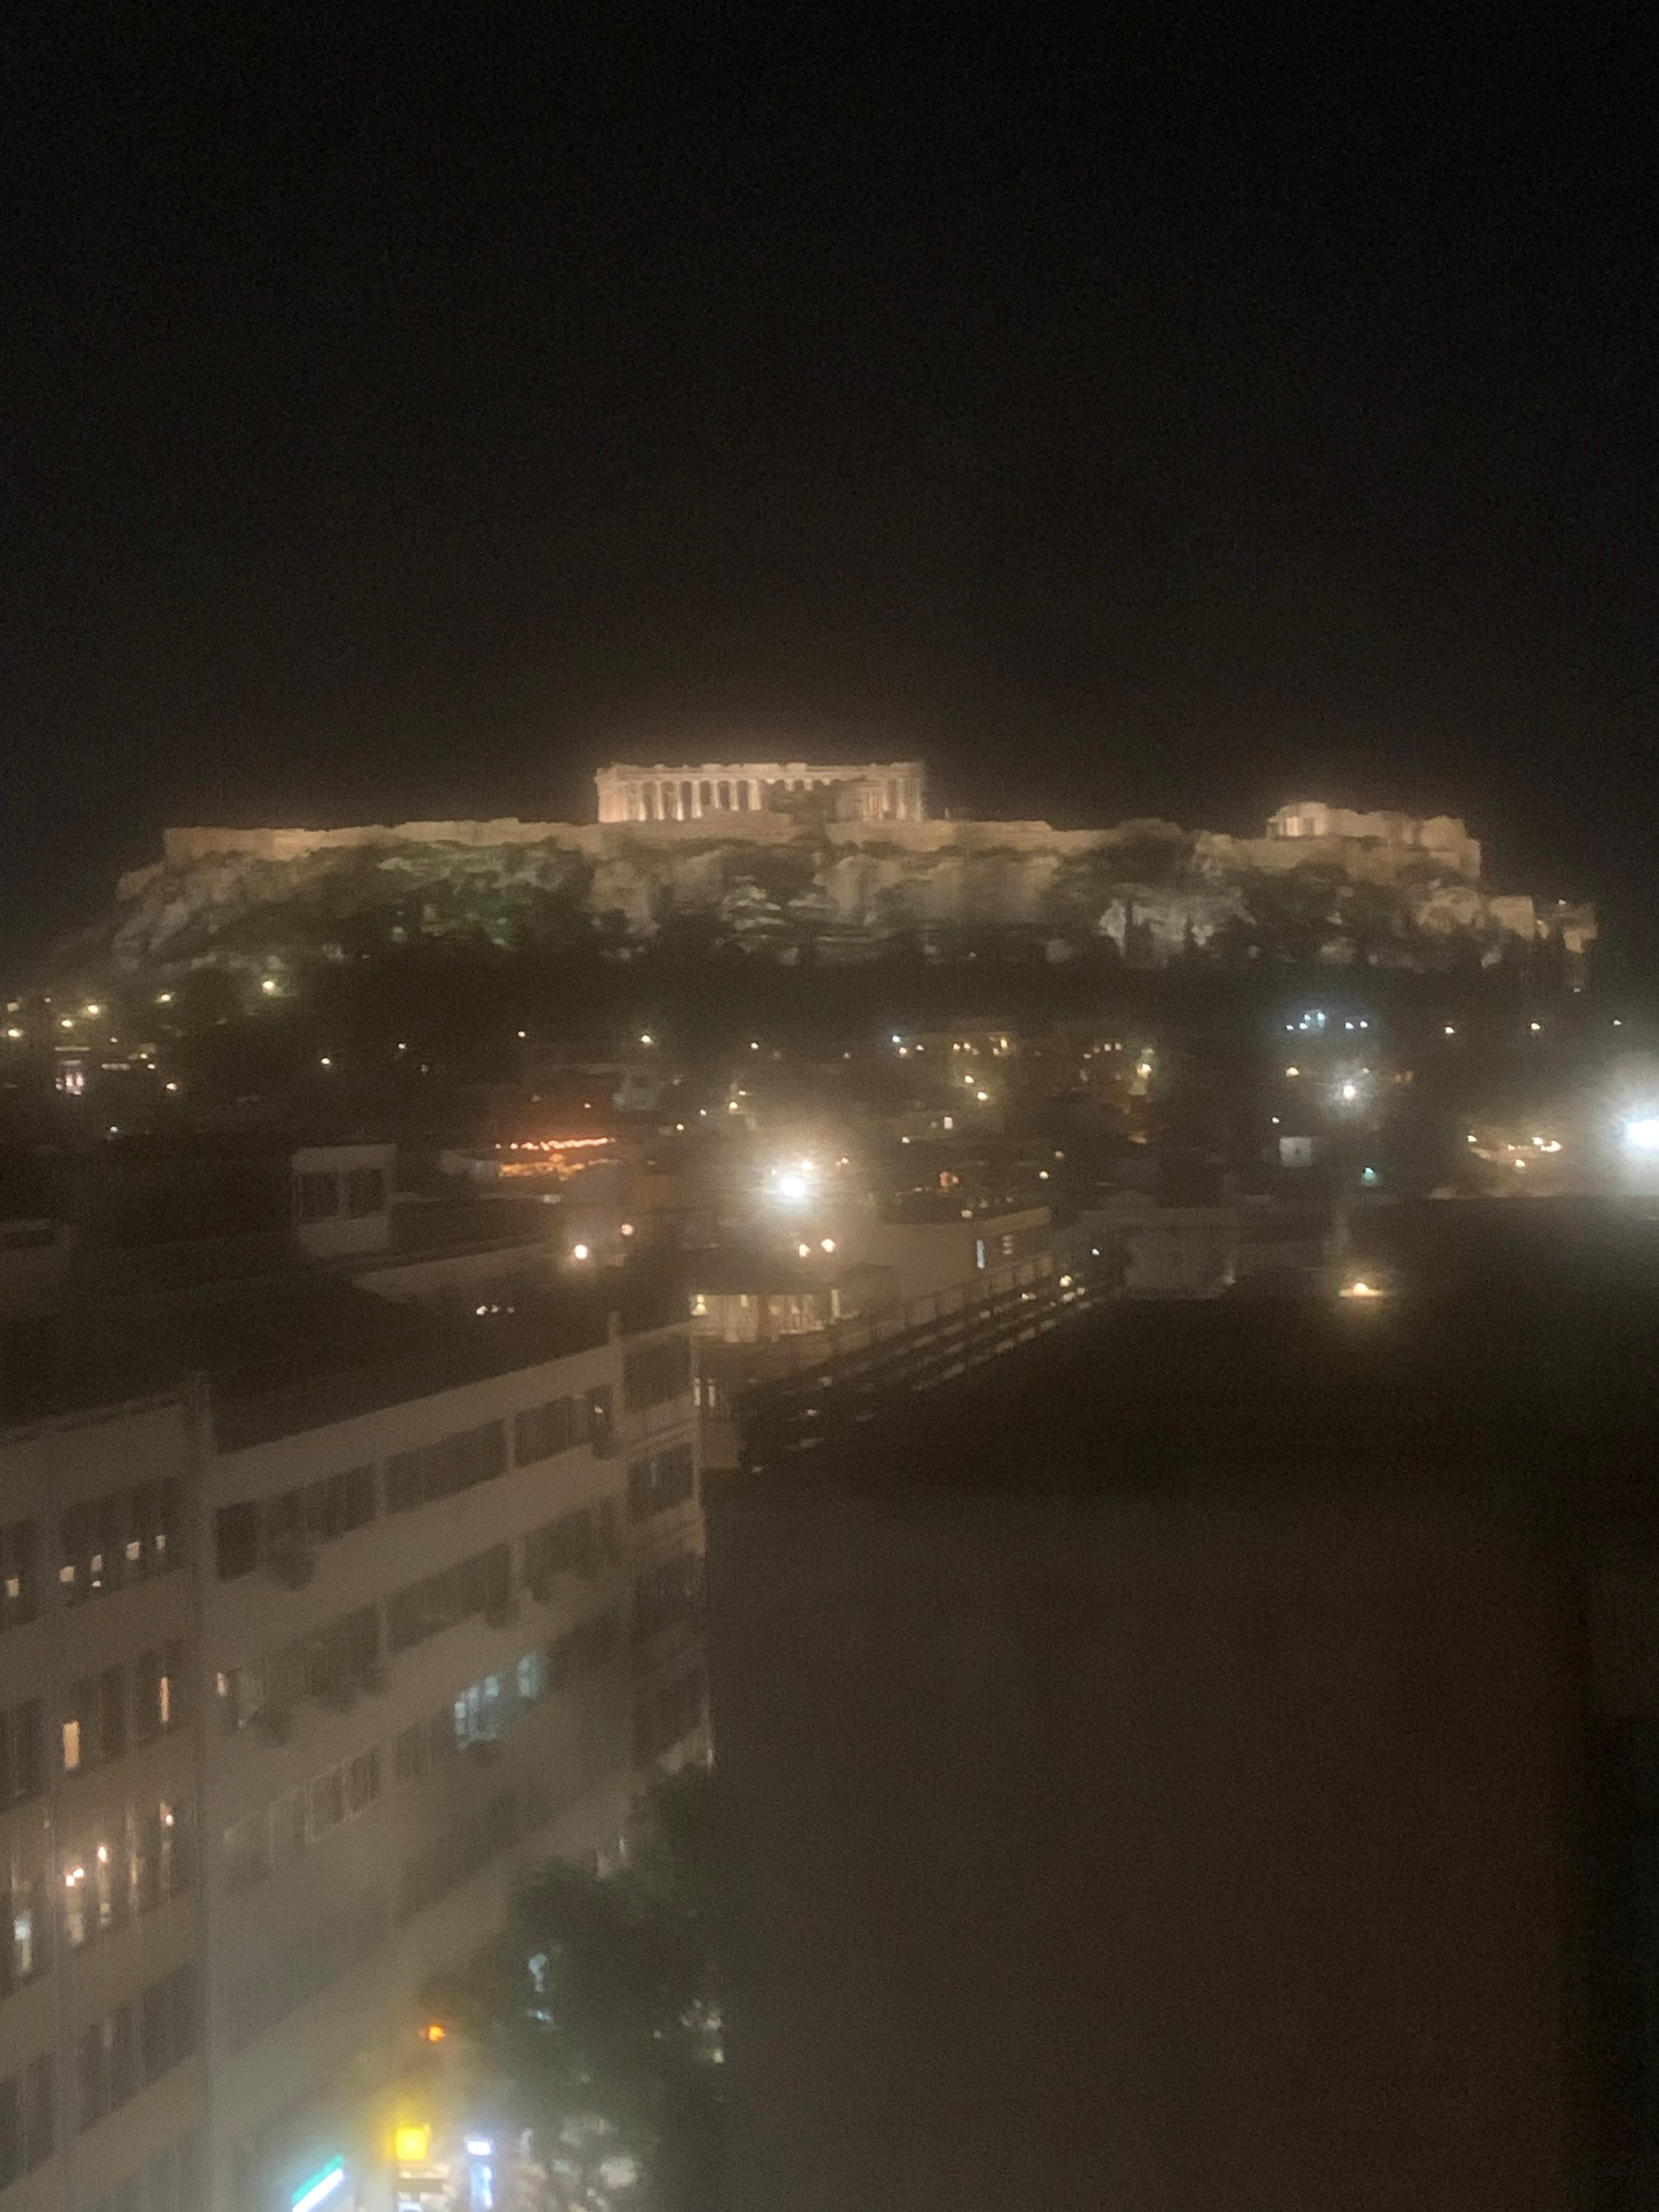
(763, 854)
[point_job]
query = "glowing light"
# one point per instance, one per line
(1643, 1135)
(64, 1023)
(103, 1854)
(1361, 1289)
(1350, 1092)
(268, 985)
(171, 1086)
(982, 1096)
(627, 1229)
(92, 1009)
(1520, 1164)
(1450, 1030)
(791, 1186)
(579, 1252)
(828, 1245)
(13, 1034)
(325, 1061)
(803, 1251)
(1535, 1027)
(319, 2188)
(479, 2147)
(895, 1036)
(1618, 1024)
(1143, 1067)
(164, 998)
(521, 1036)
(434, 2032)
(646, 1037)
(411, 2146)
(1294, 1071)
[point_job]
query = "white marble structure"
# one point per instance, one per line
(875, 791)
(1441, 834)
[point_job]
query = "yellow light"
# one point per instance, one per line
(1535, 1027)
(627, 1229)
(982, 1096)
(13, 1034)
(434, 2032)
(1294, 1071)
(64, 1023)
(93, 1009)
(578, 1251)
(412, 2146)
(803, 1251)
(1361, 1289)
(646, 1037)
(268, 985)
(164, 998)
(1144, 1067)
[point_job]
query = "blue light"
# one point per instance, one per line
(321, 2187)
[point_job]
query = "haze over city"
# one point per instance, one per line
(829, 1117)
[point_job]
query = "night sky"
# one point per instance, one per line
(403, 427)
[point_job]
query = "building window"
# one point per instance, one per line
(365, 1193)
(316, 1198)
(666, 1478)
(654, 1374)
(562, 1547)
(453, 1464)
(666, 1595)
(22, 1752)
(118, 1539)
(17, 1574)
(541, 1432)
(27, 2137)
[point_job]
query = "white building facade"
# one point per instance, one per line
(877, 791)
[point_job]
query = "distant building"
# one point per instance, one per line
(1442, 836)
(299, 1671)
(878, 791)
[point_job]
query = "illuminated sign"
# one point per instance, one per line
(321, 2187)
(411, 2146)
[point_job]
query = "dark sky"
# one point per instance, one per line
(402, 425)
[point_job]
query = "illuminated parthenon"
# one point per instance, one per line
(876, 791)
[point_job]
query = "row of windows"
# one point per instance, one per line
(22, 1751)
(570, 1545)
(111, 1541)
(666, 1478)
(124, 1705)
(19, 1594)
(486, 1708)
(26, 1937)
(268, 1530)
(146, 1855)
(666, 1595)
(135, 2044)
(355, 1194)
(339, 1660)
(172, 2184)
(654, 1373)
(333, 1664)
(456, 1462)
(662, 1717)
(27, 2101)
(471, 1586)
(278, 1833)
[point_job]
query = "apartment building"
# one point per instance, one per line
(293, 1684)
(440, 1637)
(103, 2084)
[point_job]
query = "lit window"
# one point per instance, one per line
(71, 1746)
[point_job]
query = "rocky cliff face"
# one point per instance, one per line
(1157, 892)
